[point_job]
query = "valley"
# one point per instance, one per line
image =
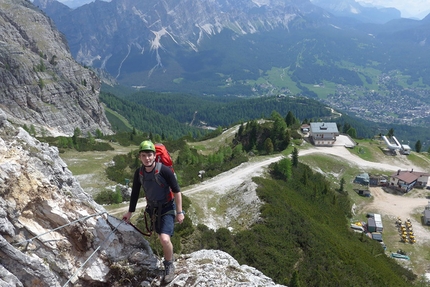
(396, 106)
(207, 64)
(390, 98)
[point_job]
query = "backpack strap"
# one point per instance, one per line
(158, 178)
(157, 174)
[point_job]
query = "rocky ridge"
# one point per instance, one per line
(52, 233)
(42, 85)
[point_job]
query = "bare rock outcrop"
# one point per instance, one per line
(42, 85)
(51, 231)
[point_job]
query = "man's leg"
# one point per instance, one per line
(167, 246)
(169, 267)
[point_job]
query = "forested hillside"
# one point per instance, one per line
(145, 119)
(175, 115)
(303, 237)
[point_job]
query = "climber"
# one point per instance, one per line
(164, 200)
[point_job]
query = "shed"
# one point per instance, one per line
(371, 225)
(376, 180)
(362, 179)
(426, 218)
(364, 192)
(377, 236)
(305, 128)
(378, 222)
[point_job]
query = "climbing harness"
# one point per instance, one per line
(156, 212)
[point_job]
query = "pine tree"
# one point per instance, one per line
(342, 183)
(268, 146)
(290, 119)
(295, 157)
(294, 282)
(418, 146)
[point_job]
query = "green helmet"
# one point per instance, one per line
(146, 146)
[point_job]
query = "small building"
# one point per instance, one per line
(364, 192)
(378, 222)
(426, 214)
(362, 179)
(323, 134)
(377, 180)
(377, 236)
(305, 128)
(371, 225)
(406, 180)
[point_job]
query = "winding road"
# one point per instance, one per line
(384, 203)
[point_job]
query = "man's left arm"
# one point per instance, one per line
(173, 183)
(180, 214)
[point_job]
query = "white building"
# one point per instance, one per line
(323, 134)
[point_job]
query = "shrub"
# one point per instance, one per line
(109, 197)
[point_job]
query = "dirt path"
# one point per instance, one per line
(387, 204)
(221, 183)
(396, 206)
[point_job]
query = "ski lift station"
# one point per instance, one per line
(395, 146)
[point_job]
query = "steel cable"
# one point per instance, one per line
(95, 251)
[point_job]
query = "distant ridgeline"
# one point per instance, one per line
(240, 47)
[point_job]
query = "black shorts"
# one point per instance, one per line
(166, 225)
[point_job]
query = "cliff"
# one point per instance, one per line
(42, 85)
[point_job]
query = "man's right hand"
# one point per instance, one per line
(126, 217)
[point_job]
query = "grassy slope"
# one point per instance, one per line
(89, 167)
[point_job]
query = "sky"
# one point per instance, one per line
(408, 8)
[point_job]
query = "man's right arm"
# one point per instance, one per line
(134, 196)
(126, 217)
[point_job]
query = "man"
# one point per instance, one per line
(164, 201)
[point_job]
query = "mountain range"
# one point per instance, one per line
(239, 47)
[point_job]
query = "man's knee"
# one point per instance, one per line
(164, 239)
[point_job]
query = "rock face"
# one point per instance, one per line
(42, 85)
(50, 226)
(216, 268)
(53, 234)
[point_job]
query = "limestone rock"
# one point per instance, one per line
(50, 227)
(42, 85)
